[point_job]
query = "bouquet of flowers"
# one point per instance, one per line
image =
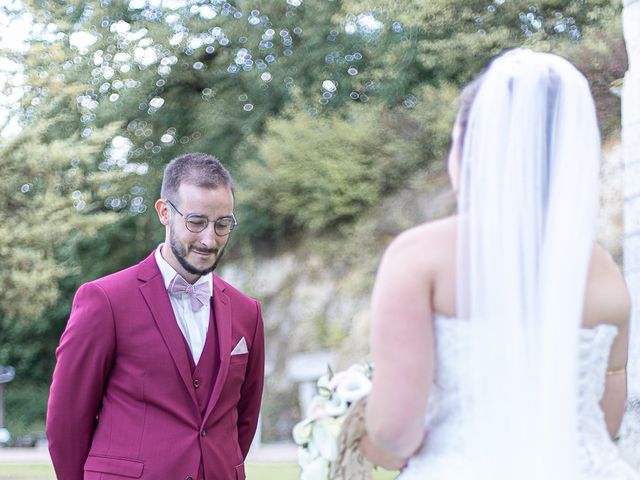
(317, 435)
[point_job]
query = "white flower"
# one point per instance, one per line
(306, 456)
(318, 469)
(317, 408)
(336, 406)
(302, 431)
(321, 407)
(324, 435)
(352, 384)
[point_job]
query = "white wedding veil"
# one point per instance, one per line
(527, 206)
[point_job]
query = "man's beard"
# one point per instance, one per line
(180, 253)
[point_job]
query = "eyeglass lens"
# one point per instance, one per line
(222, 226)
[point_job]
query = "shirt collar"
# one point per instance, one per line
(168, 272)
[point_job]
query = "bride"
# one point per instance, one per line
(499, 335)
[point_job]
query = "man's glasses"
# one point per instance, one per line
(196, 222)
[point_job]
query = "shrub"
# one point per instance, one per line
(25, 406)
(319, 173)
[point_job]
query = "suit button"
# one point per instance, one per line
(203, 433)
(196, 383)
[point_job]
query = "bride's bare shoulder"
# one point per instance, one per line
(437, 230)
(425, 242)
(607, 298)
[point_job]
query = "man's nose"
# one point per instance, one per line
(209, 237)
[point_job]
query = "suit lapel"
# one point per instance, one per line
(222, 310)
(155, 294)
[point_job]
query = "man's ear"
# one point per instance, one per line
(162, 208)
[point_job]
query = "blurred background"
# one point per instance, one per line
(332, 116)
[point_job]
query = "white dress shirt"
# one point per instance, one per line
(193, 325)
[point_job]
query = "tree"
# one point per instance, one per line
(49, 201)
(318, 174)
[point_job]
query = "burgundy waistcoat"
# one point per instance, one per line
(205, 373)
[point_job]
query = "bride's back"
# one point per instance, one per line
(607, 301)
(600, 401)
(606, 297)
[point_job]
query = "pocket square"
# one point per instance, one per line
(240, 348)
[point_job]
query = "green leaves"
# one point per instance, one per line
(319, 173)
(47, 199)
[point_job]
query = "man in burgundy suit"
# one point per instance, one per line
(160, 369)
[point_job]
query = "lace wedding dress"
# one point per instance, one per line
(441, 456)
(629, 443)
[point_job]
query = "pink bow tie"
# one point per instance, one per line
(199, 294)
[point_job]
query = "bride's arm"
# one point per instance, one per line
(612, 295)
(378, 456)
(402, 346)
(615, 391)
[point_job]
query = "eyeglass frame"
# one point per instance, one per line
(199, 215)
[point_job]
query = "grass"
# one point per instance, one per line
(9, 471)
(255, 471)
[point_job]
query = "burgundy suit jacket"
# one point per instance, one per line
(122, 402)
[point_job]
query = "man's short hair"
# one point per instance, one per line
(198, 169)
